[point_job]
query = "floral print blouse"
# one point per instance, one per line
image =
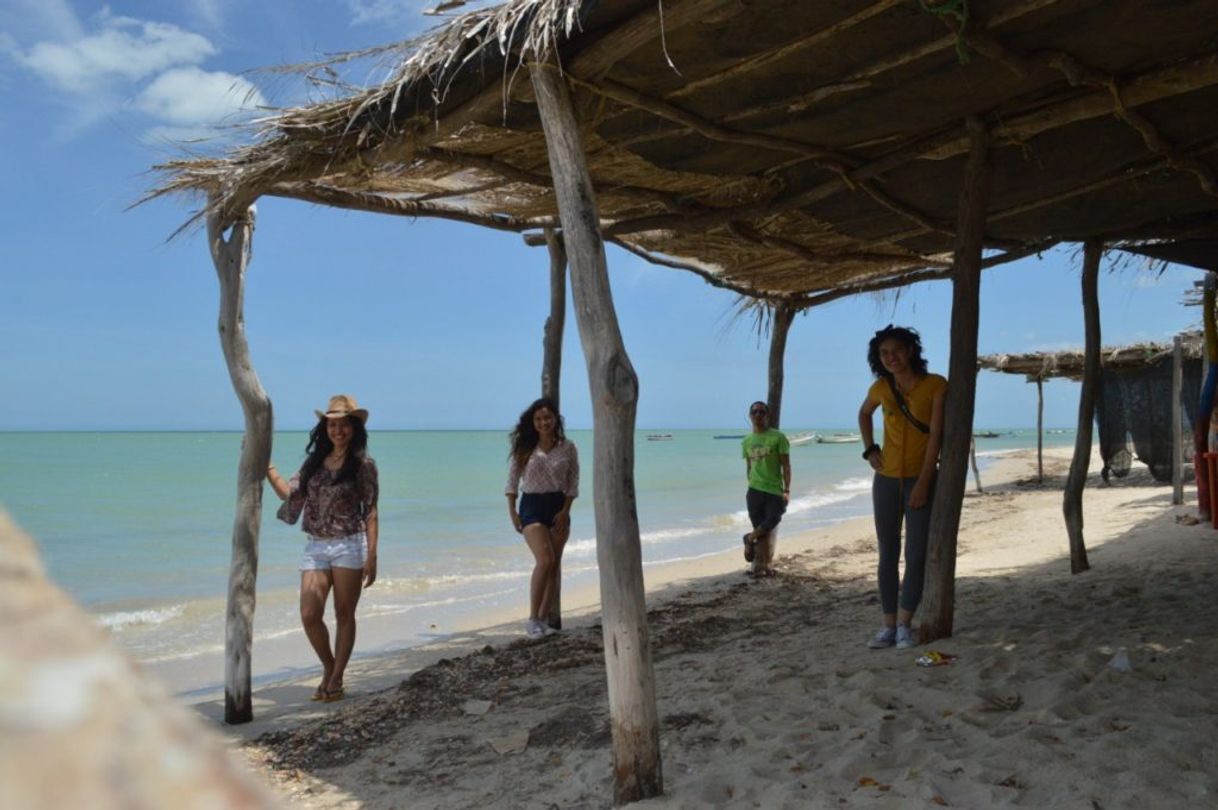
(332, 509)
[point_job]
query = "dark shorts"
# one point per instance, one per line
(540, 507)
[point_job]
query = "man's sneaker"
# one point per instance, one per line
(884, 637)
(905, 638)
(534, 628)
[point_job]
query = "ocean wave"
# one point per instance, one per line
(122, 620)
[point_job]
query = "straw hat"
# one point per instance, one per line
(342, 405)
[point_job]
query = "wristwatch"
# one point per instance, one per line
(870, 449)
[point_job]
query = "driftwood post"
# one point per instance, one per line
(614, 388)
(231, 257)
(1177, 427)
(1072, 502)
(784, 314)
(972, 458)
(1040, 429)
(551, 362)
(551, 368)
(938, 604)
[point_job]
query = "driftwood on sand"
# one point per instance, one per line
(80, 725)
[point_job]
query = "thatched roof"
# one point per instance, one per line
(1069, 364)
(1199, 253)
(783, 148)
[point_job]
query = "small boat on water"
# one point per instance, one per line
(800, 439)
(729, 436)
(659, 437)
(986, 434)
(838, 438)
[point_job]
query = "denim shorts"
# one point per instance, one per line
(324, 553)
(540, 507)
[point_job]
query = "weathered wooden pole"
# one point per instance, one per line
(972, 458)
(783, 315)
(1093, 381)
(1040, 430)
(1177, 426)
(614, 389)
(551, 361)
(231, 257)
(938, 603)
(551, 369)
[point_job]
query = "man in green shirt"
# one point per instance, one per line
(767, 464)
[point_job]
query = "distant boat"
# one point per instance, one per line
(986, 434)
(659, 437)
(838, 438)
(730, 436)
(800, 439)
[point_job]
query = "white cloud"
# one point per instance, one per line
(190, 97)
(124, 49)
(40, 19)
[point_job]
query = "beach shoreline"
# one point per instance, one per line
(281, 697)
(1067, 691)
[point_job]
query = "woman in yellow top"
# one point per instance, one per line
(905, 468)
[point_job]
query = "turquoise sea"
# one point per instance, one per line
(137, 526)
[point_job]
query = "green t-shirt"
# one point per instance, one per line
(763, 451)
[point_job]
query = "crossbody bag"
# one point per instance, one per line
(904, 408)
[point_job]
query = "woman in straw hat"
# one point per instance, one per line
(336, 490)
(544, 468)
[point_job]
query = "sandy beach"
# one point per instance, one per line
(1088, 691)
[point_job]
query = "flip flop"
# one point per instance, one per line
(750, 548)
(333, 695)
(320, 694)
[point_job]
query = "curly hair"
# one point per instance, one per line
(320, 447)
(904, 334)
(523, 439)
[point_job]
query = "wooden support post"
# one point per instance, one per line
(231, 257)
(972, 457)
(784, 314)
(551, 368)
(938, 604)
(1072, 502)
(1177, 425)
(614, 389)
(551, 364)
(1040, 430)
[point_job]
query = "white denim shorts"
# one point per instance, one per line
(324, 553)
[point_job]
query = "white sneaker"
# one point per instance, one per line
(884, 637)
(534, 628)
(905, 638)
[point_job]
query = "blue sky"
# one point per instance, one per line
(107, 325)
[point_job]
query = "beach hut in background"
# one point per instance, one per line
(794, 151)
(1139, 395)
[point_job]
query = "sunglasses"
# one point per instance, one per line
(758, 411)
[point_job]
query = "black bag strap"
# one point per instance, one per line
(913, 420)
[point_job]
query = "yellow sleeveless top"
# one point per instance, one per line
(905, 445)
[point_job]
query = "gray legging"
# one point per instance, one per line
(890, 499)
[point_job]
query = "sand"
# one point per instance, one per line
(1087, 691)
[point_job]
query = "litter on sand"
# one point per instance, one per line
(934, 658)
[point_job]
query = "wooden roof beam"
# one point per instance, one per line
(1078, 73)
(1163, 82)
(333, 197)
(594, 61)
(827, 158)
(791, 48)
(1122, 175)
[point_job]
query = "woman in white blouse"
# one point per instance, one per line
(544, 469)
